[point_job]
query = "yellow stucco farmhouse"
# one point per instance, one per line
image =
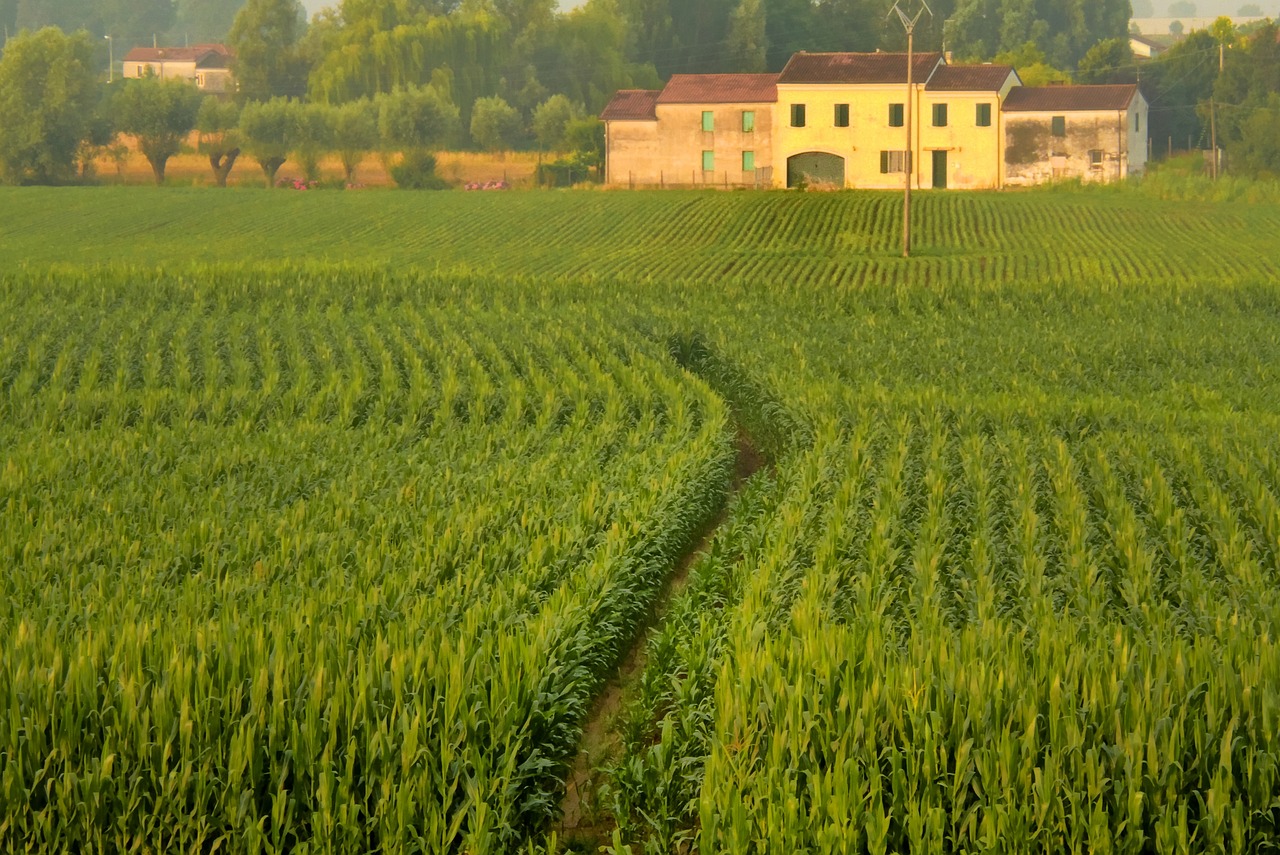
(839, 120)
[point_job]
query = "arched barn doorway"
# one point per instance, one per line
(815, 167)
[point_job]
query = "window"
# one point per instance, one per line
(897, 115)
(708, 161)
(1059, 124)
(1095, 158)
(939, 115)
(748, 121)
(200, 80)
(748, 161)
(1137, 122)
(984, 116)
(842, 115)
(893, 161)
(797, 115)
(708, 120)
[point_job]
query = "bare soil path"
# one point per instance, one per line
(586, 825)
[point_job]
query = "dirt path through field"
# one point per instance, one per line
(586, 823)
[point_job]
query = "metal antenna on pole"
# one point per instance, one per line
(909, 21)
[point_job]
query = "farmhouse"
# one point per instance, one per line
(207, 66)
(1092, 133)
(840, 120)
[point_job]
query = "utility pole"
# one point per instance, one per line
(909, 22)
(111, 59)
(1213, 135)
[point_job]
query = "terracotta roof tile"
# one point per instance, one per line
(855, 68)
(970, 78)
(1069, 99)
(720, 89)
(632, 105)
(212, 56)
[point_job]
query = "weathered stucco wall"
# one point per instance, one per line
(860, 144)
(973, 152)
(631, 153)
(1097, 147)
(682, 142)
(669, 151)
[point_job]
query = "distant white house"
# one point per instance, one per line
(206, 66)
(1146, 47)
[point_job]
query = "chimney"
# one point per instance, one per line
(946, 56)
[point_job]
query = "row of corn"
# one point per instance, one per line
(297, 562)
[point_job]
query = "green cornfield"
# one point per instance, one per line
(326, 519)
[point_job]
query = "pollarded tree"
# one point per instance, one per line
(312, 136)
(417, 118)
(160, 114)
(267, 129)
(495, 124)
(415, 121)
(219, 138)
(355, 134)
(48, 96)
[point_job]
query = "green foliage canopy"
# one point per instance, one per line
(48, 95)
(160, 113)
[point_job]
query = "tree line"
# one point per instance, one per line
(496, 71)
(130, 22)
(57, 118)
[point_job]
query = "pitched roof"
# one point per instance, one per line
(720, 89)
(970, 78)
(632, 105)
(855, 68)
(1069, 99)
(207, 56)
(1150, 41)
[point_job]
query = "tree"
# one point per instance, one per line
(585, 138)
(160, 114)
(1176, 29)
(1109, 61)
(550, 119)
(48, 92)
(1175, 83)
(206, 20)
(417, 118)
(355, 133)
(1256, 151)
(1063, 30)
(312, 136)
(8, 17)
(1244, 95)
(219, 141)
(132, 21)
(1182, 9)
(267, 128)
(1031, 66)
(265, 36)
(1143, 9)
(748, 43)
(495, 124)
(1250, 10)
